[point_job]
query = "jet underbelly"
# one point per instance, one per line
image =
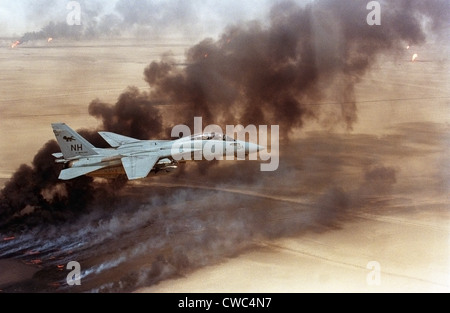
(109, 172)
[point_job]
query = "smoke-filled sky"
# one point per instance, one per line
(195, 19)
(144, 18)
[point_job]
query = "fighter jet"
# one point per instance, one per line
(137, 158)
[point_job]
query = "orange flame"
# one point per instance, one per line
(9, 238)
(15, 44)
(49, 39)
(32, 252)
(414, 57)
(36, 262)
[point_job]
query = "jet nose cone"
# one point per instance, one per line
(252, 148)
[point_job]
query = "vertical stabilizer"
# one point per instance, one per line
(71, 143)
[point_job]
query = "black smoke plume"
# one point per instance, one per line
(134, 115)
(276, 72)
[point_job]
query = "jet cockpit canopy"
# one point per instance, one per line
(212, 136)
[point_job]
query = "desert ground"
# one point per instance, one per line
(401, 221)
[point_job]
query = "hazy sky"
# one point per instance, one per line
(18, 17)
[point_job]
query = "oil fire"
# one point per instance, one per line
(15, 44)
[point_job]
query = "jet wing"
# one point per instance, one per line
(115, 140)
(139, 166)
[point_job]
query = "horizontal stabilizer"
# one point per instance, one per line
(115, 140)
(74, 172)
(139, 166)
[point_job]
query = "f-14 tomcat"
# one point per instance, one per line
(137, 158)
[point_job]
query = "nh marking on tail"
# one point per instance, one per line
(76, 147)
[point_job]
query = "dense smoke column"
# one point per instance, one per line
(36, 189)
(134, 115)
(275, 72)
